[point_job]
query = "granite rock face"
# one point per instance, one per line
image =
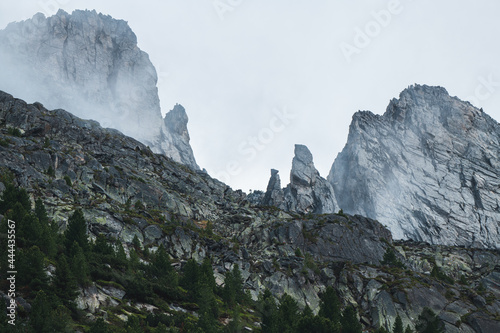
(428, 169)
(274, 195)
(176, 145)
(90, 64)
(307, 192)
(297, 254)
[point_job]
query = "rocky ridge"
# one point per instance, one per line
(307, 192)
(428, 169)
(90, 64)
(195, 216)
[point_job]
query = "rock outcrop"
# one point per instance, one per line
(176, 145)
(429, 169)
(274, 195)
(90, 64)
(307, 192)
(124, 190)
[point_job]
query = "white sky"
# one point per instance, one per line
(234, 70)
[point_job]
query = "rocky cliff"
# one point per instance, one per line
(125, 190)
(428, 169)
(90, 64)
(307, 192)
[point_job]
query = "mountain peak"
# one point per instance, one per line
(176, 120)
(418, 98)
(89, 64)
(415, 169)
(423, 89)
(303, 170)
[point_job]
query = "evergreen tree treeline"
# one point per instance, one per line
(148, 277)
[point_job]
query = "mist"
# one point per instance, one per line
(235, 69)
(62, 70)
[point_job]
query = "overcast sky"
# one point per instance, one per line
(257, 77)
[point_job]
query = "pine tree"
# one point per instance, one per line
(41, 310)
(12, 195)
(381, 330)
(77, 231)
(269, 313)
(209, 309)
(15, 205)
(233, 287)
(45, 318)
(408, 329)
(390, 259)
(31, 263)
(136, 243)
(349, 321)
(27, 232)
(191, 277)
(99, 326)
(287, 314)
(207, 323)
(235, 325)
(79, 264)
(309, 323)
(162, 328)
(64, 283)
(40, 212)
(48, 236)
(398, 325)
(49, 240)
(121, 256)
(139, 288)
(329, 306)
(102, 246)
(228, 292)
(207, 274)
(30, 230)
(134, 260)
(238, 284)
(428, 322)
(134, 325)
(162, 269)
(60, 319)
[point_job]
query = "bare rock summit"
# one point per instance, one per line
(429, 169)
(90, 64)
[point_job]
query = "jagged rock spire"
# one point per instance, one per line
(307, 192)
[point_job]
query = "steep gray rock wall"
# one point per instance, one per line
(428, 169)
(299, 255)
(90, 64)
(307, 192)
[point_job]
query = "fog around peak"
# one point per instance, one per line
(262, 76)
